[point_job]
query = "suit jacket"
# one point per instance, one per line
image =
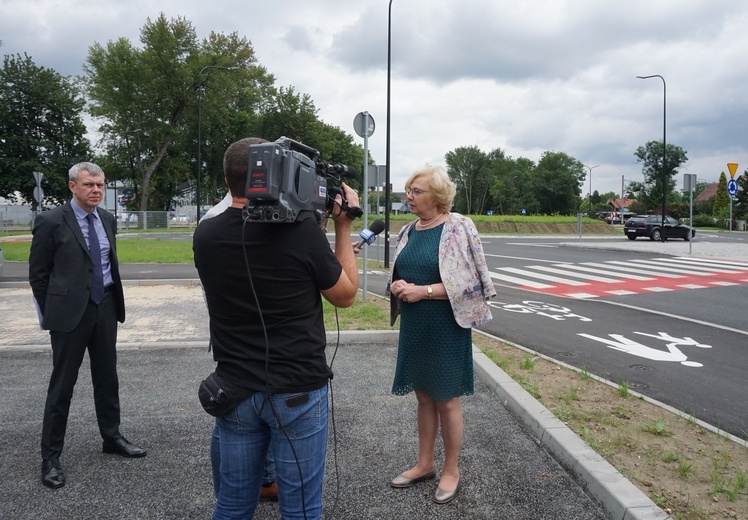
(61, 268)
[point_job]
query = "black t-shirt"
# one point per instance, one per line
(286, 267)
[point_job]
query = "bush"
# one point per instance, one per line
(702, 220)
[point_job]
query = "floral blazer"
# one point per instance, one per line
(462, 267)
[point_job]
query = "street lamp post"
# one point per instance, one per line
(664, 146)
(199, 97)
(590, 192)
(387, 185)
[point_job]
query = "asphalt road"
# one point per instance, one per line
(677, 335)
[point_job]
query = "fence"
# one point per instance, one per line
(15, 218)
(21, 218)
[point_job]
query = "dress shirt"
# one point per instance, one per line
(80, 215)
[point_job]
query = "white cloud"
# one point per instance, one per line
(525, 76)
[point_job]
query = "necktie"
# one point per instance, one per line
(97, 281)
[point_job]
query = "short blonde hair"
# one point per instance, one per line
(441, 188)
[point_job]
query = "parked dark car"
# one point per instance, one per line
(651, 226)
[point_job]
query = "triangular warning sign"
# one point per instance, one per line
(733, 167)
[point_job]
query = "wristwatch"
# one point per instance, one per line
(429, 291)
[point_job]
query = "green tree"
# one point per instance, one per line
(511, 189)
(650, 155)
(232, 105)
(146, 98)
(721, 208)
(741, 199)
(40, 130)
(469, 169)
(525, 199)
(557, 183)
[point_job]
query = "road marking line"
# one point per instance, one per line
(582, 267)
(657, 264)
(627, 266)
(703, 267)
(521, 258)
(520, 281)
(675, 316)
(581, 296)
(585, 276)
(717, 262)
(539, 276)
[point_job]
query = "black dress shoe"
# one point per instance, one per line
(124, 447)
(52, 475)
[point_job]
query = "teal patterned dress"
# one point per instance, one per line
(434, 354)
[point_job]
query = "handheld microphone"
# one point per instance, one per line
(369, 235)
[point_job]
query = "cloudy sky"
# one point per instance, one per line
(526, 77)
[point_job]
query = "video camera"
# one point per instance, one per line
(287, 177)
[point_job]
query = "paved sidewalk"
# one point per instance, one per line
(518, 461)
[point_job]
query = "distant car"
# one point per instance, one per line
(651, 226)
(2, 261)
(615, 218)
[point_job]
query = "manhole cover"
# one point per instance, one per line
(640, 367)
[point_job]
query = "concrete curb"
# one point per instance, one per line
(605, 484)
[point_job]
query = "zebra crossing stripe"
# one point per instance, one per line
(655, 264)
(519, 281)
(651, 277)
(584, 276)
(583, 267)
(714, 269)
(539, 276)
(712, 261)
(626, 266)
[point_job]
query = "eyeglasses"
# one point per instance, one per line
(415, 192)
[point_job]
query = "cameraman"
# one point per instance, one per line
(277, 350)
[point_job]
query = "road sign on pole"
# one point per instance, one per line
(732, 187)
(38, 177)
(364, 126)
(733, 167)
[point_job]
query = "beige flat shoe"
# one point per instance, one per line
(442, 497)
(402, 482)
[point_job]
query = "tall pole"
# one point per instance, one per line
(387, 194)
(590, 193)
(664, 147)
(199, 97)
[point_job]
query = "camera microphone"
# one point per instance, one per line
(369, 235)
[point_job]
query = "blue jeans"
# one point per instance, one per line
(295, 428)
(268, 475)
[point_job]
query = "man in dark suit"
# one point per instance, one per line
(74, 275)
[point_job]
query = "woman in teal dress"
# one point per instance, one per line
(438, 286)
